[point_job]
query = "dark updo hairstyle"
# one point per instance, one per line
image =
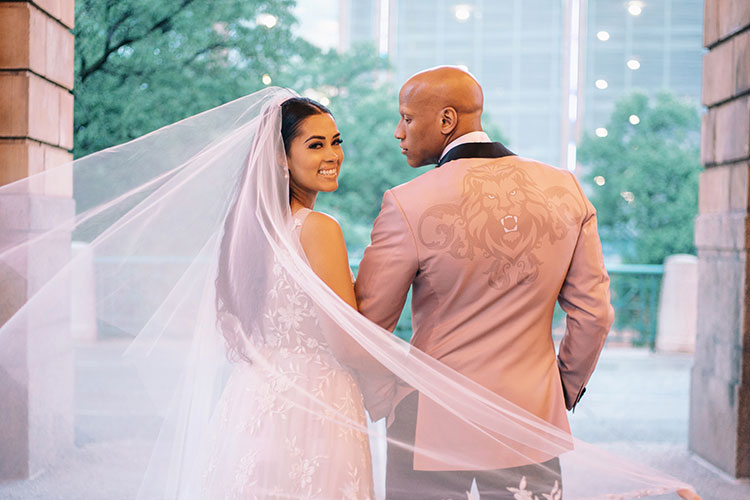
(293, 112)
(240, 298)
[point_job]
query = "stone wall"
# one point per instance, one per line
(36, 79)
(36, 135)
(720, 389)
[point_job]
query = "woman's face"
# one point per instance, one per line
(315, 156)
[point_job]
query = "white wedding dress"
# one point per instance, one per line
(292, 426)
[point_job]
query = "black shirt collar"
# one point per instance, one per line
(476, 150)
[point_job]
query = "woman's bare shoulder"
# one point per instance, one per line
(321, 232)
(320, 221)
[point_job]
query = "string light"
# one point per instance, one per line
(635, 8)
(628, 196)
(267, 20)
(462, 12)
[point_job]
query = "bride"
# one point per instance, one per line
(250, 373)
(280, 448)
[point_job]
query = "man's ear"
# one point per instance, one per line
(448, 120)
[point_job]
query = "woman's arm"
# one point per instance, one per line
(325, 248)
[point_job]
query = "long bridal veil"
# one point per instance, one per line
(127, 310)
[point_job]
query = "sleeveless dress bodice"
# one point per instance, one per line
(291, 424)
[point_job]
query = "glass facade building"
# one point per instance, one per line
(522, 51)
(648, 46)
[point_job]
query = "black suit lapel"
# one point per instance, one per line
(476, 150)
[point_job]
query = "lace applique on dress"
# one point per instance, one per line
(266, 443)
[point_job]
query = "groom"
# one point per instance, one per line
(489, 242)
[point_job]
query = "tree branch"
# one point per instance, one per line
(204, 50)
(110, 49)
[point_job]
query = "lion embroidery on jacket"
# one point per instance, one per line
(502, 216)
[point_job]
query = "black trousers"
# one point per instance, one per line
(403, 482)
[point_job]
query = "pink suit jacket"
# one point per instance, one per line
(489, 245)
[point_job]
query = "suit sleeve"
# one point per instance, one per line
(584, 297)
(388, 266)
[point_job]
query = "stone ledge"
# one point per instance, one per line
(720, 304)
(718, 73)
(62, 10)
(710, 22)
(743, 443)
(24, 212)
(38, 363)
(727, 361)
(729, 231)
(65, 139)
(722, 18)
(60, 55)
(713, 411)
(35, 108)
(734, 15)
(733, 120)
(14, 44)
(725, 188)
(720, 361)
(32, 40)
(14, 98)
(713, 190)
(739, 187)
(719, 399)
(22, 158)
(742, 62)
(708, 138)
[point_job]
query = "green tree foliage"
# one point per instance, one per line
(142, 64)
(648, 202)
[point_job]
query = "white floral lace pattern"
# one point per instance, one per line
(521, 493)
(290, 425)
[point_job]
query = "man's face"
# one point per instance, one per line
(419, 128)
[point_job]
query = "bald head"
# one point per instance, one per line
(447, 86)
(437, 106)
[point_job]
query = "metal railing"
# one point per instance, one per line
(635, 291)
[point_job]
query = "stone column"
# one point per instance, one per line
(36, 135)
(720, 387)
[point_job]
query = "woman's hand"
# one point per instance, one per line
(688, 494)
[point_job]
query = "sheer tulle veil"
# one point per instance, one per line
(134, 361)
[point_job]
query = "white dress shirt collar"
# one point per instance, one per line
(476, 136)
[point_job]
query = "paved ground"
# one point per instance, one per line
(636, 406)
